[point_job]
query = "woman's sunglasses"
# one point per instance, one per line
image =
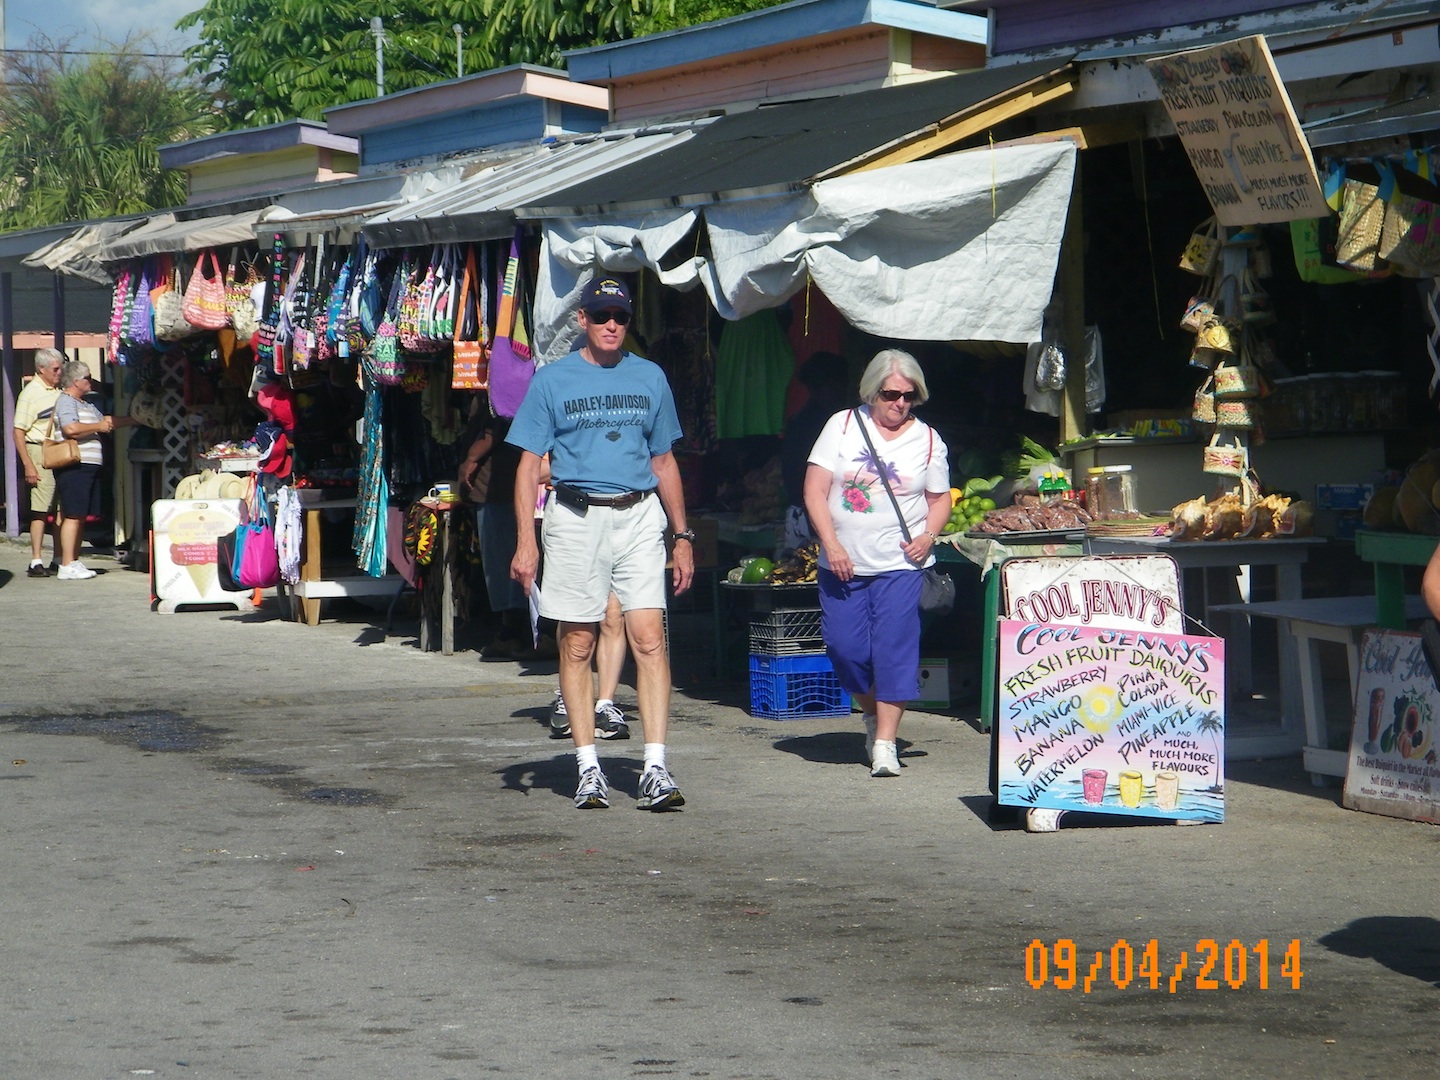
(600, 318)
(911, 396)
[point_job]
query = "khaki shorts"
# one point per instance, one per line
(42, 495)
(602, 550)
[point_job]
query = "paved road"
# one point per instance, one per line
(236, 846)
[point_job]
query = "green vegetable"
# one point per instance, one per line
(1032, 454)
(977, 484)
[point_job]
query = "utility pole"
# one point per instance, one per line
(377, 27)
(459, 48)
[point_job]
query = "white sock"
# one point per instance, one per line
(37, 562)
(602, 703)
(654, 754)
(586, 758)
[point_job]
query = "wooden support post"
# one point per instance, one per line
(1071, 283)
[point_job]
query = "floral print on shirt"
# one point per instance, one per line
(856, 495)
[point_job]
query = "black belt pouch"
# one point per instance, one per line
(572, 497)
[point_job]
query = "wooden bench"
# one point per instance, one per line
(1339, 619)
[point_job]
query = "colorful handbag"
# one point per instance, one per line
(470, 369)
(511, 365)
(204, 303)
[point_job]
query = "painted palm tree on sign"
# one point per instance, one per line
(1211, 724)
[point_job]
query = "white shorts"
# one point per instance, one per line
(602, 550)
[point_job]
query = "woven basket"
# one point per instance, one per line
(1234, 381)
(1237, 414)
(1224, 460)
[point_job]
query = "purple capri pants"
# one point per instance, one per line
(871, 627)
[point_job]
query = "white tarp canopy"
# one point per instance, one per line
(962, 247)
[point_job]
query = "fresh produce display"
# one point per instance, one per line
(1031, 513)
(1412, 505)
(795, 569)
(799, 567)
(970, 503)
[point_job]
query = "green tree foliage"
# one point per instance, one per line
(274, 60)
(693, 12)
(80, 133)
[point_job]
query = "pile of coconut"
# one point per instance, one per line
(1230, 517)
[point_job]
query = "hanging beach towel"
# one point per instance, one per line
(753, 367)
(511, 364)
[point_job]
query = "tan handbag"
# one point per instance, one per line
(1202, 252)
(1362, 218)
(58, 453)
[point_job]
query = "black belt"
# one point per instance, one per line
(579, 499)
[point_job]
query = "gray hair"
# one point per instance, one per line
(45, 358)
(879, 369)
(72, 371)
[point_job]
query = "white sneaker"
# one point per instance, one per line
(75, 571)
(869, 721)
(885, 760)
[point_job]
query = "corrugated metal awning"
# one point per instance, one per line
(780, 148)
(75, 254)
(482, 207)
(164, 235)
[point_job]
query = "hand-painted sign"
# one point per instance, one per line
(1393, 767)
(1140, 592)
(1113, 721)
(1236, 122)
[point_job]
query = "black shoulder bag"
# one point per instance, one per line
(937, 590)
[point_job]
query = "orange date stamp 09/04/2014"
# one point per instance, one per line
(1206, 965)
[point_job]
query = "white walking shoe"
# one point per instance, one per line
(75, 571)
(885, 761)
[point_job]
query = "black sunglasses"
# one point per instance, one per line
(911, 396)
(600, 318)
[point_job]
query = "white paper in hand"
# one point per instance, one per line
(534, 613)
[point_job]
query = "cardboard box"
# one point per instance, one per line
(1342, 496)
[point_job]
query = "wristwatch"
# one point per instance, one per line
(684, 534)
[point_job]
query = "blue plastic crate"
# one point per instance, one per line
(795, 688)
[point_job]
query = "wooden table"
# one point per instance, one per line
(1339, 619)
(313, 586)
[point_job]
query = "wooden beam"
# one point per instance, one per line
(1071, 282)
(45, 339)
(939, 137)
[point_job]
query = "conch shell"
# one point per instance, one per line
(1187, 521)
(1223, 518)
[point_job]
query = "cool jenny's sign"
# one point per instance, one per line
(1115, 721)
(1393, 767)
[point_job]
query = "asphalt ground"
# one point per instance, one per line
(237, 846)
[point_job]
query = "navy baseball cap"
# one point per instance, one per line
(606, 294)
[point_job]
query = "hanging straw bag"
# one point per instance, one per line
(1224, 459)
(204, 303)
(1204, 410)
(243, 316)
(1202, 252)
(1362, 219)
(470, 369)
(1240, 415)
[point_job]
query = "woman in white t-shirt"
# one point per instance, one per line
(78, 486)
(869, 575)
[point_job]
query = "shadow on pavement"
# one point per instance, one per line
(1407, 944)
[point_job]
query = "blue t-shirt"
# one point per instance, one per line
(600, 426)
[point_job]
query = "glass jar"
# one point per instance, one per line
(1110, 491)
